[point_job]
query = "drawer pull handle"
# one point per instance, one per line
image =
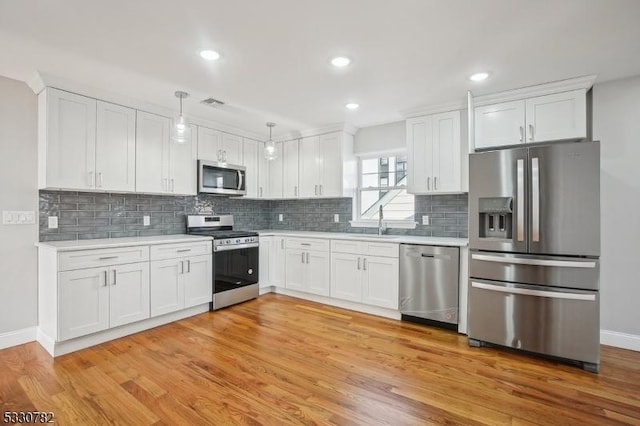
(305, 244)
(107, 257)
(183, 250)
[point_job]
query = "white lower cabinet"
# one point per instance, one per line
(307, 271)
(96, 299)
(277, 255)
(365, 272)
(264, 262)
(180, 283)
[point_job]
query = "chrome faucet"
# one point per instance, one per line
(381, 225)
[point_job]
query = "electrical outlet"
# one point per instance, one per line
(53, 222)
(336, 218)
(425, 219)
(280, 217)
(146, 220)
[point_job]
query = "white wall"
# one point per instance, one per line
(382, 138)
(616, 123)
(18, 174)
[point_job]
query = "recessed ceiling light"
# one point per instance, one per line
(479, 76)
(352, 106)
(209, 55)
(340, 61)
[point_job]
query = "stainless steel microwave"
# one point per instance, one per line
(221, 178)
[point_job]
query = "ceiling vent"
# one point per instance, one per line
(212, 102)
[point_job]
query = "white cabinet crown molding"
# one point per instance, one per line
(434, 109)
(584, 82)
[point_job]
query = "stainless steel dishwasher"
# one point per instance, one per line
(429, 281)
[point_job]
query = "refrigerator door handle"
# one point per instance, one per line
(535, 262)
(520, 201)
(538, 293)
(535, 199)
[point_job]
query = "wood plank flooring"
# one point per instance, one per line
(280, 360)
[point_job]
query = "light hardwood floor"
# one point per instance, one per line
(280, 360)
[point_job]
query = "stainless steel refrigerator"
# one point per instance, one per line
(534, 234)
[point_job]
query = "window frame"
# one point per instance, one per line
(357, 221)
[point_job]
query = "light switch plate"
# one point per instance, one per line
(53, 222)
(336, 217)
(18, 217)
(146, 220)
(280, 217)
(425, 220)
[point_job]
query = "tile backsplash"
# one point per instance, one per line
(85, 215)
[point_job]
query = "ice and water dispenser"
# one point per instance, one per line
(496, 216)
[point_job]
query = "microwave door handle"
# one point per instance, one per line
(239, 180)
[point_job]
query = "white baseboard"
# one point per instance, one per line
(620, 340)
(17, 337)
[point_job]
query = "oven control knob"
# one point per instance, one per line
(250, 271)
(238, 241)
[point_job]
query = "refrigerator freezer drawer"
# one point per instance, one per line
(546, 320)
(558, 271)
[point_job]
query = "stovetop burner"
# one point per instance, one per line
(218, 235)
(220, 228)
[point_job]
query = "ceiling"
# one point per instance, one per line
(275, 54)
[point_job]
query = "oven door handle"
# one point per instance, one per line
(237, 247)
(538, 293)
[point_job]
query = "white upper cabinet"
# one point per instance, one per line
(152, 153)
(290, 186)
(217, 146)
(209, 144)
(250, 162)
(231, 149)
(115, 147)
(557, 116)
(264, 173)
(67, 140)
(434, 154)
(276, 174)
(183, 166)
(327, 166)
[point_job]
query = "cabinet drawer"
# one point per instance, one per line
(347, 246)
(172, 251)
(70, 260)
(307, 244)
(381, 249)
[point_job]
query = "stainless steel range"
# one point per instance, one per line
(235, 258)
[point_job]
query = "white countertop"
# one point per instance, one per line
(120, 242)
(407, 239)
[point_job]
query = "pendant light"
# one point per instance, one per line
(270, 151)
(181, 131)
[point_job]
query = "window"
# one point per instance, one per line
(382, 182)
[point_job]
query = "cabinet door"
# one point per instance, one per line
(265, 261)
(294, 270)
(276, 174)
(277, 261)
(556, 117)
(290, 169)
(71, 140)
(198, 280)
(209, 144)
(152, 153)
(346, 276)
(263, 173)
(380, 282)
(183, 166)
(167, 286)
(231, 149)
(419, 154)
(83, 302)
(330, 148)
(499, 124)
(318, 273)
(128, 293)
(446, 152)
(250, 162)
(115, 147)
(309, 179)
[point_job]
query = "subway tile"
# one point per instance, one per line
(92, 235)
(123, 234)
(58, 237)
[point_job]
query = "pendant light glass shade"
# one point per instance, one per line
(181, 132)
(270, 150)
